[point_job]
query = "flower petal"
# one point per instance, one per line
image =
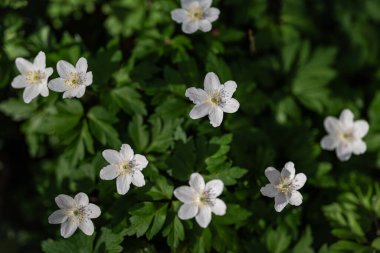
(329, 142)
(58, 85)
(190, 26)
(219, 207)
(64, 68)
(295, 199)
(215, 186)
(80, 91)
(197, 96)
(331, 124)
(48, 73)
(93, 211)
(205, 3)
(211, 83)
(200, 110)
(112, 156)
(88, 79)
(216, 116)
(138, 178)
(19, 82)
(81, 199)
(44, 91)
(186, 3)
(123, 182)
(87, 226)
(68, 228)
(203, 217)
(140, 162)
(269, 191)
(229, 88)
(187, 211)
(360, 128)
(344, 151)
(231, 106)
(24, 65)
(273, 175)
(179, 15)
(70, 93)
(40, 61)
(280, 201)
(64, 201)
(57, 217)
(347, 118)
(81, 65)
(288, 171)
(30, 93)
(359, 147)
(197, 182)
(205, 25)
(109, 172)
(212, 14)
(185, 194)
(299, 181)
(126, 152)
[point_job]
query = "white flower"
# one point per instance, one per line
(284, 186)
(73, 80)
(74, 213)
(213, 100)
(195, 14)
(125, 167)
(345, 135)
(200, 200)
(33, 78)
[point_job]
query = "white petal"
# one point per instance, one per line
(80, 91)
(344, 151)
(19, 82)
(185, 194)
(205, 25)
(347, 118)
(359, 147)
(93, 211)
(138, 178)
(87, 226)
(295, 199)
(88, 79)
(280, 201)
(190, 26)
(186, 3)
(123, 183)
(112, 156)
(216, 116)
(231, 106)
(215, 186)
(288, 171)
(30, 93)
(197, 182)
(211, 83)
(187, 211)
(57, 217)
(219, 207)
(40, 61)
(299, 181)
(204, 216)
(81, 65)
(68, 228)
(212, 14)
(58, 85)
(205, 3)
(140, 162)
(126, 152)
(273, 175)
(197, 96)
(81, 199)
(329, 142)
(64, 201)
(331, 124)
(23, 65)
(48, 73)
(64, 68)
(360, 128)
(44, 91)
(229, 88)
(269, 191)
(109, 172)
(200, 110)
(179, 15)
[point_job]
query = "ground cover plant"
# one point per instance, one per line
(189, 126)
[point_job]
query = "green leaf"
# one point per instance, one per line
(138, 133)
(278, 240)
(203, 242)
(161, 189)
(109, 241)
(174, 232)
(129, 100)
(376, 243)
(79, 242)
(305, 243)
(17, 109)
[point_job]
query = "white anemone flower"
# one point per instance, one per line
(345, 135)
(74, 213)
(214, 100)
(284, 186)
(73, 80)
(34, 77)
(200, 200)
(195, 14)
(125, 166)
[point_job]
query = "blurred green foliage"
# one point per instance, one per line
(294, 61)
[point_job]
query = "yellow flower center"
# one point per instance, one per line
(74, 80)
(35, 77)
(285, 185)
(196, 13)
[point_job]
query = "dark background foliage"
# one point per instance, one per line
(295, 63)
